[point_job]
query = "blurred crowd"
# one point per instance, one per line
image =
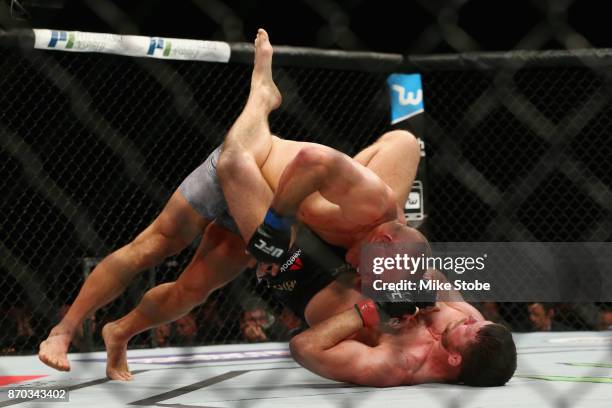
(208, 324)
(216, 321)
(222, 321)
(543, 316)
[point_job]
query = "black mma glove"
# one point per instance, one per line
(399, 303)
(270, 242)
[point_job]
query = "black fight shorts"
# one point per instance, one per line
(310, 266)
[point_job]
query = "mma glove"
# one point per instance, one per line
(400, 304)
(270, 242)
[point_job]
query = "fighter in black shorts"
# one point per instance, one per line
(199, 207)
(310, 266)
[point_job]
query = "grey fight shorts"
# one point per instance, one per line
(203, 191)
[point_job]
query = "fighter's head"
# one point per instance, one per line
(395, 232)
(392, 232)
(484, 352)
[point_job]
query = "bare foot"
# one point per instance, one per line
(53, 351)
(262, 84)
(116, 354)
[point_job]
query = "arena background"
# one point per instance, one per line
(93, 145)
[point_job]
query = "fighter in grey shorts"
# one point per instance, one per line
(202, 190)
(305, 274)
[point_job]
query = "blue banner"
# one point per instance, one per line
(406, 96)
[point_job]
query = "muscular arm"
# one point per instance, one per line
(326, 349)
(361, 195)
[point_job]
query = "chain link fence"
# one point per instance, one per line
(93, 145)
(522, 153)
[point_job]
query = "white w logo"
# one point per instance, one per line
(407, 98)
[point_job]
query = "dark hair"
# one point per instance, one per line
(490, 360)
(545, 305)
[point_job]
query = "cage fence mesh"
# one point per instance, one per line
(92, 146)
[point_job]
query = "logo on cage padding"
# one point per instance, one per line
(61, 37)
(406, 96)
(157, 43)
(414, 200)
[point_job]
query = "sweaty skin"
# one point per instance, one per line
(220, 258)
(324, 210)
(336, 345)
(176, 227)
(344, 200)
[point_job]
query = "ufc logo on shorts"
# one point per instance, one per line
(270, 250)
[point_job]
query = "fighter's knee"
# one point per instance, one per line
(400, 139)
(149, 250)
(316, 157)
(234, 163)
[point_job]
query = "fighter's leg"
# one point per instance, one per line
(394, 157)
(359, 194)
(218, 260)
(248, 144)
(175, 227)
